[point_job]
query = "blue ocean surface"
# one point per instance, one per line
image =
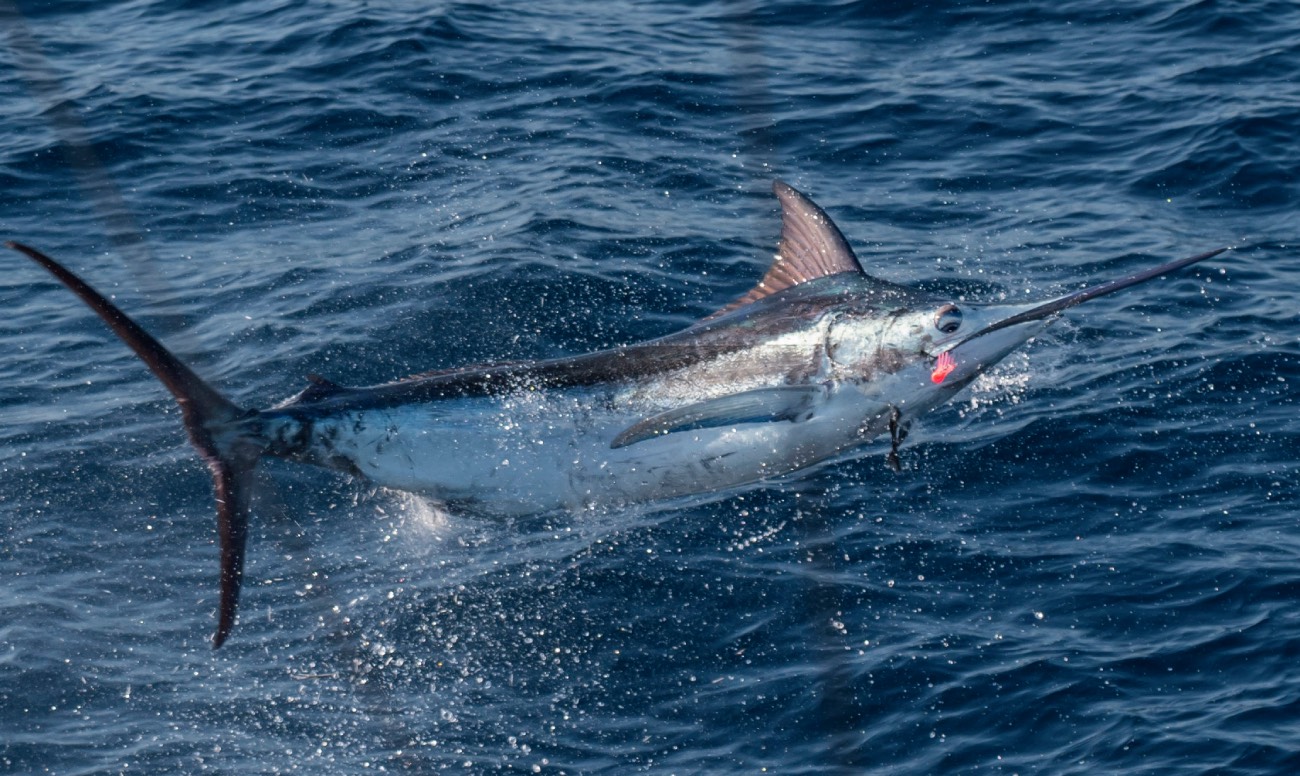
(1089, 563)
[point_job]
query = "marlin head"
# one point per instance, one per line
(931, 348)
(1000, 329)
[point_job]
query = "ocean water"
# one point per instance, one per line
(1090, 562)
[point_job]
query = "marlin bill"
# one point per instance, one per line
(816, 359)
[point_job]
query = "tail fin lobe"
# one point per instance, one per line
(231, 485)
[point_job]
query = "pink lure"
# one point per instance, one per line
(942, 367)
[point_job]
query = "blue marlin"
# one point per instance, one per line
(815, 360)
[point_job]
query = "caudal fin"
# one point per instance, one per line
(231, 458)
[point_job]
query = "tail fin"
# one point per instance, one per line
(232, 461)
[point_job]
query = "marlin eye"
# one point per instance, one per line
(948, 319)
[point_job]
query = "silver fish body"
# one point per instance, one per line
(818, 358)
(519, 440)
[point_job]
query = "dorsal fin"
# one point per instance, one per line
(811, 247)
(319, 389)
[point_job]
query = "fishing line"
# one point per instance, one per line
(62, 114)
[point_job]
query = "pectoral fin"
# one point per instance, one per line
(765, 405)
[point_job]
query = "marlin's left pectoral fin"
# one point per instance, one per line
(764, 405)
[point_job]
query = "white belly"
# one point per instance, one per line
(532, 451)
